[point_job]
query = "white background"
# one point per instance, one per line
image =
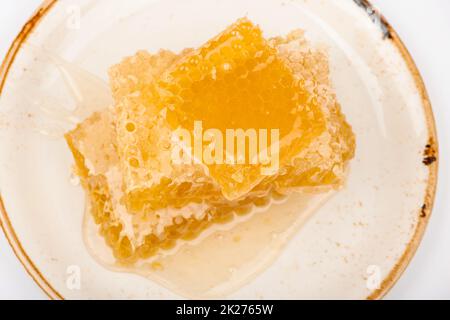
(424, 27)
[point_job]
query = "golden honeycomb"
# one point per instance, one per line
(326, 159)
(142, 201)
(240, 77)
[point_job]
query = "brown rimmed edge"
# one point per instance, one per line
(5, 223)
(424, 212)
(431, 154)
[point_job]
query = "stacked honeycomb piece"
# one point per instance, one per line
(145, 202)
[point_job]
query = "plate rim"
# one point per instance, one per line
(424, 212)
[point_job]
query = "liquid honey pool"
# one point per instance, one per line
(225, 257)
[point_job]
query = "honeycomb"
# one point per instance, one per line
(237, 75)
(144, 203)
(240, 76)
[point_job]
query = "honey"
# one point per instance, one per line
(143, 202)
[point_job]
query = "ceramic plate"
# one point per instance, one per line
(355, 247)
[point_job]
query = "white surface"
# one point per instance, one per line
(427, 276)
